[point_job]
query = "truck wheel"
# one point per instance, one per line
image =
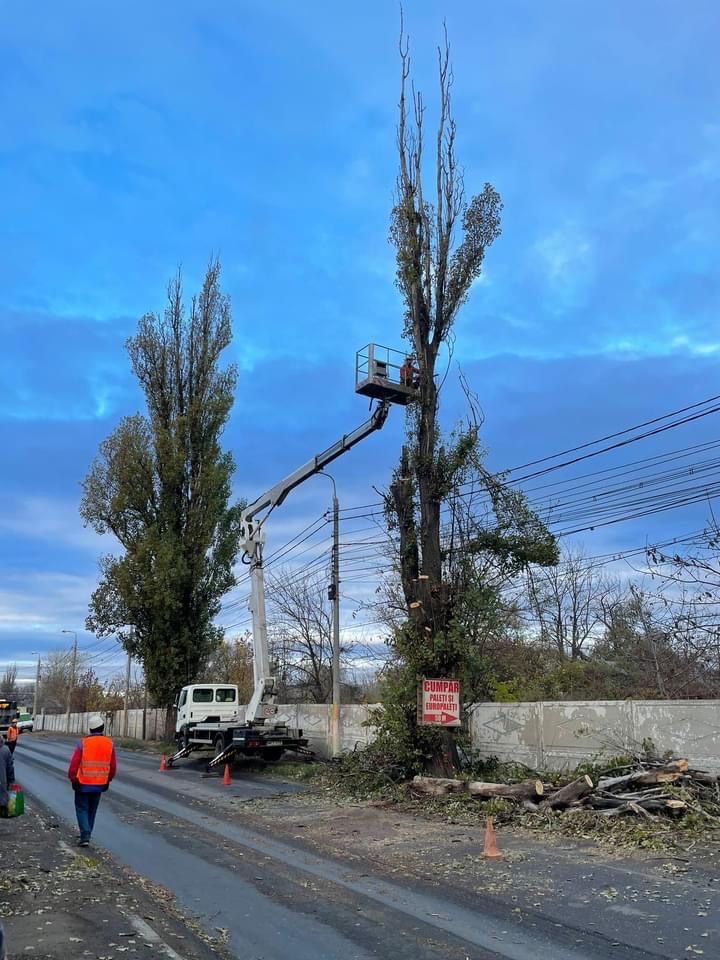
(184, 737)
(272, 754)
(219, 744)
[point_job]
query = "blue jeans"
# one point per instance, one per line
(86, 805)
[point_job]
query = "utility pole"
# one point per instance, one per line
(336, 728)
(145, 703)
(127, 696)
(37, 687)
(71, 685)
(334, 597)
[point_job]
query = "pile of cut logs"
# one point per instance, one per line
(646, 789)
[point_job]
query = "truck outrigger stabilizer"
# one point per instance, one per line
(243, 741)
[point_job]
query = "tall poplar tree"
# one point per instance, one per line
(161, 485)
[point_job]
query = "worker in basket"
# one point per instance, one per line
(409, 373)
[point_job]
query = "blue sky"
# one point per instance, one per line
(140, 137)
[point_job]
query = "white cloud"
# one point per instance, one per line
(565, 255)
(659, 345)
(43, 601)
(51, 519)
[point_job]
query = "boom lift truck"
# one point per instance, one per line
(208, 715)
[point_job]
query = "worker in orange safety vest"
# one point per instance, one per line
(12, 735)
(92, 766)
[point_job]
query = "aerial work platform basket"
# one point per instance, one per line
(386, 374)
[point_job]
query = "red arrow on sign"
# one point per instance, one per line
(438, 717)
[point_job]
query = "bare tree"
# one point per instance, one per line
(55, 679)
(8, 682)
(569, 602)
(300, 628)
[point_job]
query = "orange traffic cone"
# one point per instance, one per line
(226, 779)
(490, 850)
(163, 764)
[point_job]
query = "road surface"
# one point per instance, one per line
(277, 899)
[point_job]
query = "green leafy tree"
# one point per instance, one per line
(161, 485)
(446, 581)
(87, 693)
(232, 662)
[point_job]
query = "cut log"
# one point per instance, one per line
(439, 786)
(527, 790)
(568, 794)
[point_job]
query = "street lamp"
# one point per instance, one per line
(35, 653)
(72, 678)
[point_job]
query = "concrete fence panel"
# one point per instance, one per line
(509, 734)
(689, 728)
(573, 732)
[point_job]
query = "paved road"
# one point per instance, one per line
(277, 899)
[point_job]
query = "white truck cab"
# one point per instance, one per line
(206, 703)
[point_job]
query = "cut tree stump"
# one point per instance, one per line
(568, 794)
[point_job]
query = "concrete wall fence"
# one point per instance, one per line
(557, 735)
(547, 735)
(313, 719)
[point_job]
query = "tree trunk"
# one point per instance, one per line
(401, 492)
(444, 761)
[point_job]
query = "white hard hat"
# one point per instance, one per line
(96, 722)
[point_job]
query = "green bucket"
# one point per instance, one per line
(16, 801)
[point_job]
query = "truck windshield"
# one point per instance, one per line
(225, 695)
(202, 696)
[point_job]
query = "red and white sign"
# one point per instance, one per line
(439, 703)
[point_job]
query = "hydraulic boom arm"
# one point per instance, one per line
(261, 705)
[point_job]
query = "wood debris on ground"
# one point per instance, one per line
(644, 788)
